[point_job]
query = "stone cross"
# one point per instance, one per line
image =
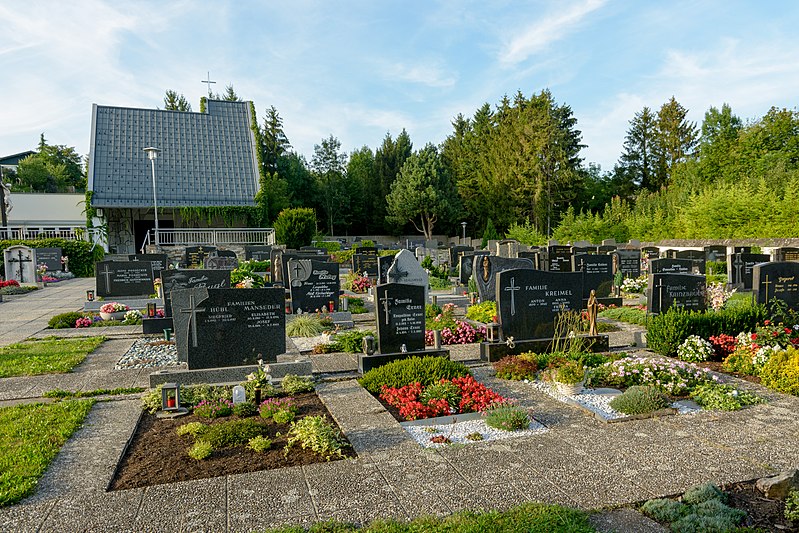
(512, 289)
(385, 302)
(738, 263)
(19, 261)
(297, 270)
(192, 310)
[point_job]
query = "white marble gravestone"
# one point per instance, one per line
(20, 264)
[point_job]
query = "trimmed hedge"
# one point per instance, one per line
(81, 255)
(425, 370)
(668, 330)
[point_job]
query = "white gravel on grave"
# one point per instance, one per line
(142, 354)
(456, 432)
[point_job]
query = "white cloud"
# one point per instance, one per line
(424, 74)
(554, 27)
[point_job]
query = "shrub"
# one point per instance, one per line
(423, 370)
(65, 320)
(640, 399)
(213, 408)
(792, 506)
(271, 406)
(703, 493)
(192, 428)
(507, 417)
(569, 372)
(295, 227)
(304, 326)
(245, 409)
(350, 341)
(665, 510)
(195, 394)
(293, 384)
(260, 443)
(232, 433)
(515, 367)
(318, 435)
(483, 312)
(284, 416)
(740, 360)
(695, 349)
(781, 372)
(201, 450)
(723, 397)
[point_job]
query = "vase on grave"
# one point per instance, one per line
(570, 389)
(119, 315)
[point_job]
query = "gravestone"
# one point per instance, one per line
(715, 253)
(49, 257)
(366, 250)
(405, 269)
(221, 262)
(485, 269)
(313, 250)
(216, 328)
(20, 264)
(528, 301)
(313, 285)
(669, 253)
(668, 265)
(597, 274)
(194, 257)
(587, 249)
(778, 280)
(280, 259)
(508, 248)
(739, 268)
(365, 264)
(225, 253)
(456, 252)
(629, 262)
(257, 252)
(606, 248)
(685, 291)
(160, 261)
(534, 256)
(697, 256)
(559, 258)
(399, 313)
(466, 263)
(191, 279)
(383, 264)
(651, 252)
(741, 250)
(124, 278)
(784, 254)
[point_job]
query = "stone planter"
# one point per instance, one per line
(570, 388)
(119, 315)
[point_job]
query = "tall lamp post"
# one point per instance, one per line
(152, 154)
(464, 230)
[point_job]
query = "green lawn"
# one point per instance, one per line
(45, 356)
(30, 437)
(631, 315)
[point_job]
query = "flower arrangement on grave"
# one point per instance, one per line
(716, 295)
(245, 275)
(453, 331)
(723, 344)
(246, 283)
(157, 286)
(446, 397)
(636, 285)
(9, 283)
(41, 269)
(671, 376)
(695, 349)
(83, 322)
(569, 373)
(357, 282)
(132, 316)
(114, 307)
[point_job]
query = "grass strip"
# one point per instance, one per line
(30, 437)
(61, 393)
(527, 518)
(631, 315)
(45, 356)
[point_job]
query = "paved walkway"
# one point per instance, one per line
(579, 461)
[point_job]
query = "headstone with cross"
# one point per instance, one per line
(173, 280)
(685, 291)
(217, 328)
(528, 301)
(406, 269)
(740, 268)
(486, 268)
(400, 318)
(124, 278)
(313, 285)
(777, 281)
(20, 264)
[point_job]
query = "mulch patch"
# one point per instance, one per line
(761, 512)
(157, 455)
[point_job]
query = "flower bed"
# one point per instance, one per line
(448, 396)
(453, 331)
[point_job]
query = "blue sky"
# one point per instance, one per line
(357, 70)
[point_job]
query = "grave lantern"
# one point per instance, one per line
(151, 309)
(492, 332)
(368, 345)
(170, 397)
(89, 296)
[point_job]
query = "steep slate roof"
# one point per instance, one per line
(206, 159)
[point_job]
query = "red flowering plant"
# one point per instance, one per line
(9, 283)
(771, 334)
(458, 395)
(723, 345)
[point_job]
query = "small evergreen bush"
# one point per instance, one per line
(201, 450)
(192, 428)
(317, 434)
(64, 320)
(423, 370)
(232, 433)
(640, 399)
(260, 443)
(350, 341)
(507, 417)
(665, 510)
(295, 227)
(516, 368)
(792, 506)
(284, 416)
(703, 493)
(245, 409)
(781, 372)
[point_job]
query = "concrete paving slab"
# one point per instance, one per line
(199, 505)
(24, 517)
(348, 484)
(259, 499)
(115, 511)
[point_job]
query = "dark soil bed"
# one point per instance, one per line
(157, 455)
(715, 366)
(763, 513)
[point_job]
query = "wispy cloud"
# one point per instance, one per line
(428, 74)
(539, 35)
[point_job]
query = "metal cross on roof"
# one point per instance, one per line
(208, 82)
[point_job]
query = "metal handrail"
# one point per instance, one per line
(209, 236)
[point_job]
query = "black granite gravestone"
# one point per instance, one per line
(190, 279)
(528, 301)
(629, 262)
(534, 256)
(559, 258)
(606, 248)
(383, 264)
(280, 259)
(786, 254)
(257, 252)
(778, 280)
(651, 252)
(715, 253)
(741, 250)
(50, 257)
(365, 250)
(194, 257)
(216, 328)
(313, 285)
(456, 252)
(313, 250)
(685, 291)
(466, 263)
(365, 264)
(399, 313)
(739, 268)
(124, 278)
(668, 265)
(160, 261)
(485, 269)
(221, 262)
(583, 250)
(226, 253)
(597, 274)
(697, 256)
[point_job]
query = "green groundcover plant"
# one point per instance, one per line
(45, 356)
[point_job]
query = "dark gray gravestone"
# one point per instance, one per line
(313, 250)
(399, 313)
(280, 259)
(741, 250)
(383, 264)
(50, 257)
(221, 262)
(313, 285)
(697, 256)
(685, 291)
(529, 300)
(715, 253)
(739, 268)
(194, 257)
(226, 253)
(259, 253)
(216, 328)
(779, 280)
(629, 262)
(456, 252)
(485, 269)
(534, 256)
(466, 263)
(124, 278)
(786, 254)
(365, 264)
(190, 279)
(669, 265)
(160, 261)
(583, 250)
(606, 248)
(366, 250)
(651, 252)
(559, 258)
(597, 274)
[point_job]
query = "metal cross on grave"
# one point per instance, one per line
(19, 260)
(512, 289)
(385, 301)
(660, 288)
(766, 283)
(107, 274)
(192, 311)
(738, 263)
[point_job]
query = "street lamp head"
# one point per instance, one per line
(152, 152)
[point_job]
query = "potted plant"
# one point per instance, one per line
(113, 311)
(569, 377)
